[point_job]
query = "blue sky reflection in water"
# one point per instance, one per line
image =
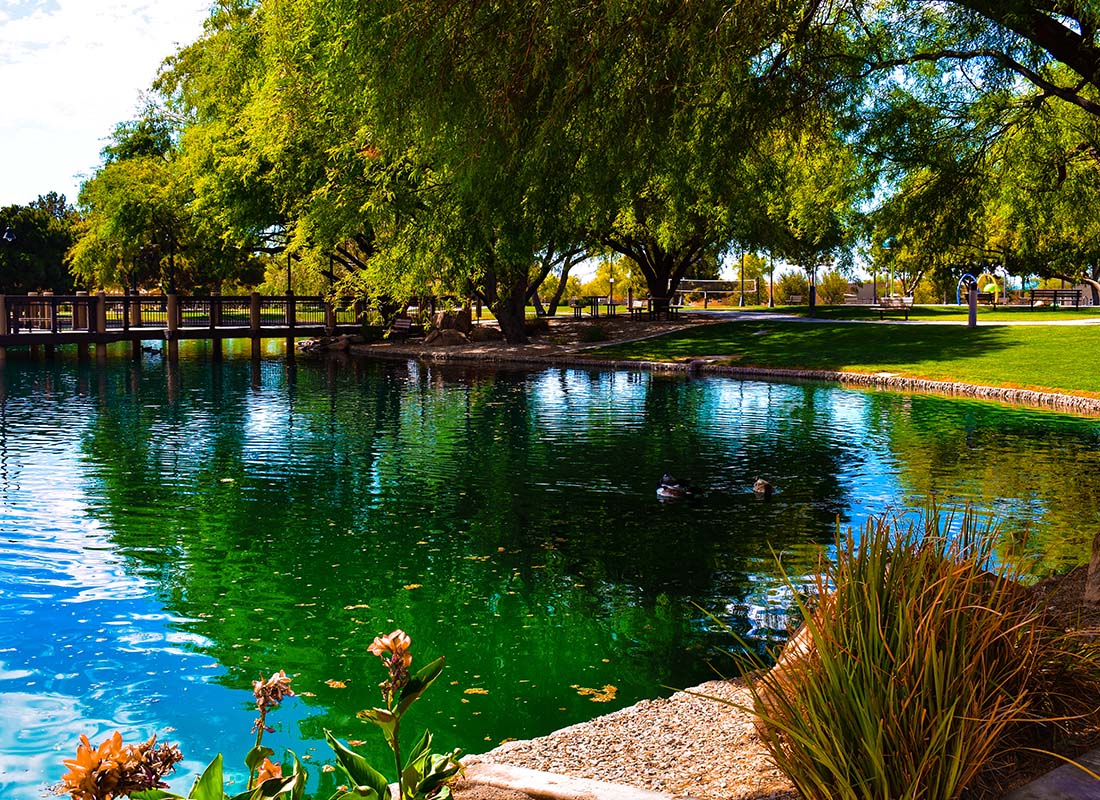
(165, 536)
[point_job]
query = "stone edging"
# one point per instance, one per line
(1075, 404)
(553, 786)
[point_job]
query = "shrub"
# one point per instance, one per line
(791, 283)
(535, 326)
(917, 668)
(593, 333)
(831, 288)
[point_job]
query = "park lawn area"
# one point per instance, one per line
(1056, 358)
(945, 313)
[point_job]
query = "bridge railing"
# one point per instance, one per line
(48, 313)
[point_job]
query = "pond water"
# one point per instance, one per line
(167, 534)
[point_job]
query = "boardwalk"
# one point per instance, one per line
(82, 319)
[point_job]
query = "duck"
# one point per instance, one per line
(672, 488)
(761, 488)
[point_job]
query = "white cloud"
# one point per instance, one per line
(70, 70)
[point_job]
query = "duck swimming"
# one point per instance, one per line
(672, 488)
(761, 488)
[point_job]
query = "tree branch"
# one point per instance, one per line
(1070, 95)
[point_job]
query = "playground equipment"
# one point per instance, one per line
(967, 280)
(986, 283)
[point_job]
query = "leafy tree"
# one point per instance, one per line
(139, 226)
(33, 259)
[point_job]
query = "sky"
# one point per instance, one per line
(70, 70)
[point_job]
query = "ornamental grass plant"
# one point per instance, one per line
(922, 665)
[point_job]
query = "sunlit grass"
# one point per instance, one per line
(1039, 357)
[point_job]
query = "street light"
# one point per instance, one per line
(9, 235)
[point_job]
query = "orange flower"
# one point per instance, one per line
(398, 644)
(268, 770)
(94, 773)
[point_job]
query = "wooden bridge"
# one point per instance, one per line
(48, 320)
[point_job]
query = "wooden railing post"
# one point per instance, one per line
(330, 318)
(215, 309)
(172, 326)
(254, 322)
(100, 325)
(291, 310)
(80, 312)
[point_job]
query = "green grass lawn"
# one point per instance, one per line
(943, 313)
(1058, 358)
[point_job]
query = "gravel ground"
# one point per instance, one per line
(684, 745)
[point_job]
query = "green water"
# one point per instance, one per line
(167, 534)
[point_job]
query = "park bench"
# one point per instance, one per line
(888, 305)
(1055, 297)
(987, 299)
(637, 307)
(401, 328)
(794, 299)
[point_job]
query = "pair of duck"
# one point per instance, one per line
(672, 488)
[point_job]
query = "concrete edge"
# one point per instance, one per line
(1067, 782)
(552, 786)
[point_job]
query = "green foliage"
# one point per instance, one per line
(41, 234)
(831, 288)
(792, 283)
(422, 776)
(919, 656)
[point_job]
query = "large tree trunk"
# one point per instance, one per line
(509, 307)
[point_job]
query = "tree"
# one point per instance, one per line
(34, 257)
(139, 227)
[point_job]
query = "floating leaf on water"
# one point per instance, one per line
(228, 480)
(305, 694)
(335, 684)
(411, 586)
(328, 768)
(604, 695)
(356, 742)
(476, 690)
(352, 608)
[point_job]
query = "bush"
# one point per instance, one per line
(917, 669)
(831, 288)
(593, 333)
(535, 326)
(791, 283)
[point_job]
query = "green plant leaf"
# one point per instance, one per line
(358, 770)
(209, 785)
(300, 787)
(155, 794)
(438, 770)
(422, 746)
(382, 717)
(358, 793)
(418, 683)
(256, 757)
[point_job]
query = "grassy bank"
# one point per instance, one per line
(1056, 358)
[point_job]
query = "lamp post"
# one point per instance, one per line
(9, 235)
(888, 244)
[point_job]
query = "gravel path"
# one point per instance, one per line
(684, 745)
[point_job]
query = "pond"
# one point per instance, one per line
(168, 534)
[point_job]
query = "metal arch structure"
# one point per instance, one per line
(967, 279)
(993, 280)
